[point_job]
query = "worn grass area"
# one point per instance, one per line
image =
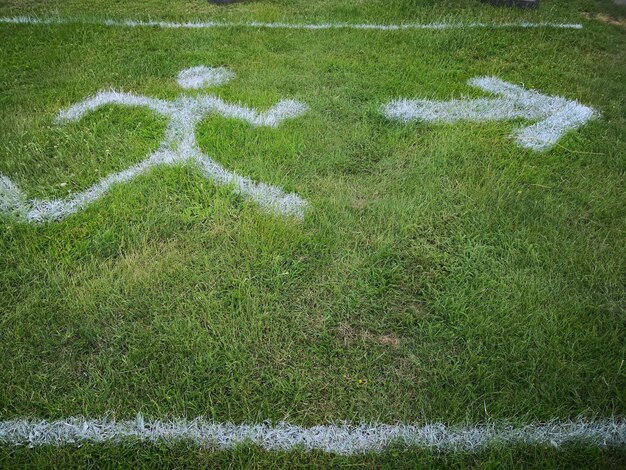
(442, 273)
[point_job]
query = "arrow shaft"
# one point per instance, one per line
(481, 109)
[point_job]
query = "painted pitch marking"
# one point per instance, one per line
(31, 20)
(556, 116)
(343, 439)
(178, 146)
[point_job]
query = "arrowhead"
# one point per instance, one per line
(563, 116)
(557, 115)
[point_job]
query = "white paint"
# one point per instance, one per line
(201, 76)
(179, 146)
(556, 116)
(305, 26)
(12, 199)
(337, 439)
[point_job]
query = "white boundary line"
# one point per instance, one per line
(337, 439)
(32, 20)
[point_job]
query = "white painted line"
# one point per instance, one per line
(178, 147)
(33, 20)
(337, 439)
(555, 115)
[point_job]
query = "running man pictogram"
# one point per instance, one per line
(178, 146)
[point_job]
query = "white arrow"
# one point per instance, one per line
(555, 115)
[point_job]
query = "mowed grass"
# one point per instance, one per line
(441, 274)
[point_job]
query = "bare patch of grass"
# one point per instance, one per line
(349, 335)
(606, 19)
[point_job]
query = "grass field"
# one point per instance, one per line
(441, 274)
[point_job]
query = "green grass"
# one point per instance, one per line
(441, 274)
(181, 456)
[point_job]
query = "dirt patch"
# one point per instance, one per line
(349, 335)
(606, 19)
(360, 204)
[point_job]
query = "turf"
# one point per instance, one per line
(248, 457)
(441, 274)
